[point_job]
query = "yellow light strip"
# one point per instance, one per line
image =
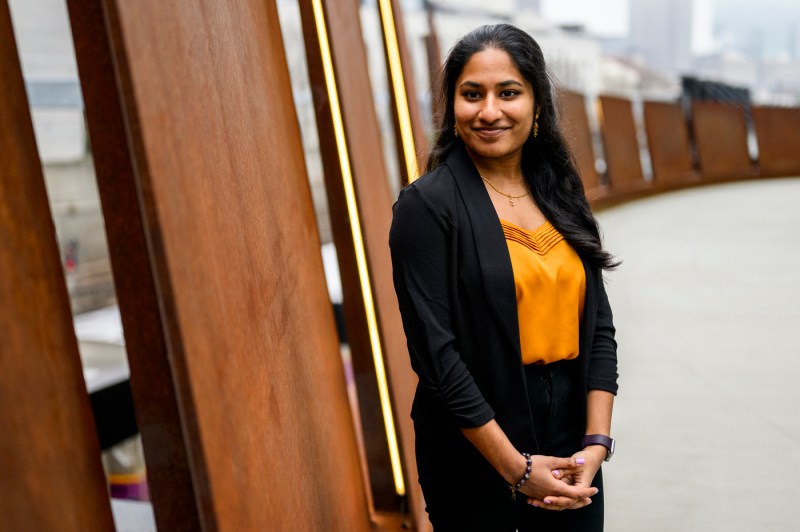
(399, 88)
(358, 240)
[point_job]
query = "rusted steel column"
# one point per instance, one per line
(720, 132)
(432, 51)
(360, 203)
(227, 314)
(156, 404)
(668, 144)
(408, 129)
(51, 477)
(778, 133)
(575, 124)
(621, 146)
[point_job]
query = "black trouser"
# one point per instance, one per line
(555, 416)
(460, 493)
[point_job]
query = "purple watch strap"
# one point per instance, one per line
(600, 439)
(597, 439)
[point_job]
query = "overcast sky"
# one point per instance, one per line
(767, 26)
(764, 28)
(606, 17)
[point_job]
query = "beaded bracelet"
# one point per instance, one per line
(515, 488)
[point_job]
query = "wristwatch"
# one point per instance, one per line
(600, 439)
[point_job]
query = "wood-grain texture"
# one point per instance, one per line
(720, 134)
(410, 87)
(155, 402)
(234, 263)
(668, 143)
(51, 477)
(621, 145)
(374, 200)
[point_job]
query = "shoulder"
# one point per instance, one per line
(437, 185)
(433, 194)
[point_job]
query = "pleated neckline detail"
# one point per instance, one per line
(540, 240)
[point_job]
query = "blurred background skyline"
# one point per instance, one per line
(767, 28)
(637, 49)
(644, 46)
(770, 28)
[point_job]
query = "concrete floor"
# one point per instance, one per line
(707, 307)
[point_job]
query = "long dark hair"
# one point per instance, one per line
(547, 164)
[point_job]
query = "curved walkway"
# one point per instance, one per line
(707, 307)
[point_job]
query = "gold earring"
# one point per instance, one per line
(455, 130)
(536, 125)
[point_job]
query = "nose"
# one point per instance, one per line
(490, 111)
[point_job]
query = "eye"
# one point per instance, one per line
(508, 93)
(471, 95)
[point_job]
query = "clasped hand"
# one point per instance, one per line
(563, 483)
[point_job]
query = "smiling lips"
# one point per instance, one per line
(489, 132)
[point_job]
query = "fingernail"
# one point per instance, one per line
(589, 502)
(580, 461)
(547, 501)
(556, 473)
(596, 491)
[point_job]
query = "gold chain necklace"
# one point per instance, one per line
(510, 197)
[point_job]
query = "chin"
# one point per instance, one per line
(492, 151)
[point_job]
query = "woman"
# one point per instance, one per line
(497, 266)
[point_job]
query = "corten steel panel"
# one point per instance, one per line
(391, 10)
(235, 263)
(433, 55)
(374, 201)
(720, 133)
(778, 133)
(51, 477)
(668, 143)
(575, 126)
(156, 404)
(621, 145)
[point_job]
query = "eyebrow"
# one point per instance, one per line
(505, 83)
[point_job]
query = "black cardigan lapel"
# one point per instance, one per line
(490, 245)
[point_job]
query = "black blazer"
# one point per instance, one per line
(455, 287)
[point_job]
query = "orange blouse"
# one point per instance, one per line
(551, 289)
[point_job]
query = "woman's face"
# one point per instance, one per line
(493, 106)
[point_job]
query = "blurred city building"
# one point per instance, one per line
(729, 41)
(51, 79)
(661, 34)
(667, 40)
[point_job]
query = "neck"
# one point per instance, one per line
(505, 170)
